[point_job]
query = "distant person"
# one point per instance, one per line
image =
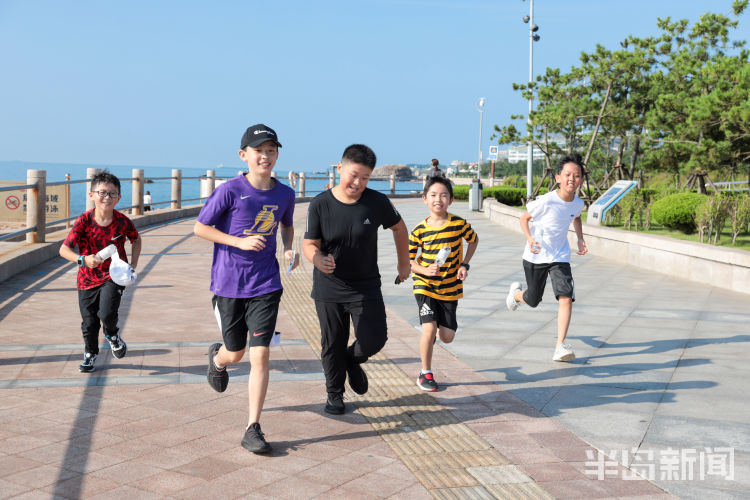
(438, 271)
(435, 170)
(147, 201)
(341, 241)
(98, 296)
(242, 217)
(548, 252)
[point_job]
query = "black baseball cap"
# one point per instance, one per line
(258, 134)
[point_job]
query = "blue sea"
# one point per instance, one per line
(161, 190)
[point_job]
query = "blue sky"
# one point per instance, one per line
(175, 83)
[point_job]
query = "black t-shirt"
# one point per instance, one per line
(349, 232)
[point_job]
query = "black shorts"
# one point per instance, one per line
(442, 312)
(536, 279)
(253, 315)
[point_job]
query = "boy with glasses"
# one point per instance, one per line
(98, 296)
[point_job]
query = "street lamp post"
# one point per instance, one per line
(480, 108)
(533, 37)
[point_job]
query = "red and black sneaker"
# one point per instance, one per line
(426, 382)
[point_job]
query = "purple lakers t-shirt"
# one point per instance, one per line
(238, 209)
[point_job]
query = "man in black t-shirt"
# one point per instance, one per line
(341, 241)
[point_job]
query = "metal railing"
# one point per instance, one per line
(732, 185)
(36, 196)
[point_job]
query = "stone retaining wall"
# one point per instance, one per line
(20, 256)
(716, 266)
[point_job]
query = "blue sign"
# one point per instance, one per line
(609, 199)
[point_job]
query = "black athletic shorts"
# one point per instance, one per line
(442, 312)
(536, 279)
(254, 315)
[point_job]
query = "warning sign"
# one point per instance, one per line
(13, 203)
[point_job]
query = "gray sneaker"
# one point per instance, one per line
(335, 403)
(510, 300)
(254, 440)
(217, 379)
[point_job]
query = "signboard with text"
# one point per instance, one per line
(493, 153)
(13, 203)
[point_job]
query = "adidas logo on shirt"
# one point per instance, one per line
(425, 310)
(367, 221)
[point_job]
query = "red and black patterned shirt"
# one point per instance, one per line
(90, 237)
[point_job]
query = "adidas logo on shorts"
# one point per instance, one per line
(425, 310)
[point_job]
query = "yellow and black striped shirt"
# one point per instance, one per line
(430, 239)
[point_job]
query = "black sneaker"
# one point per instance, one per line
(335, 403)
(117, 345)
(87, 365)
(217, 379)
(254, 440)
(357, 376)
(426, 382)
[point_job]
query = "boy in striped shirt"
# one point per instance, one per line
(438, 271)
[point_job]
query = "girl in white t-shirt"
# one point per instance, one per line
(547, 251)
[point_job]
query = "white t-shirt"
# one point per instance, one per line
(550, 221)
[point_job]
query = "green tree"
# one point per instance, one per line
(676, 101)
(697, 87)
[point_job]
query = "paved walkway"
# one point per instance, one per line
(660, 364)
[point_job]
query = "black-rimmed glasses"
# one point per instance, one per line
(107, 194)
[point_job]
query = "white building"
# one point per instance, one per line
(521, 153)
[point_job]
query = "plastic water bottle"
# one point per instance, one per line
(442, 255)
(539, 237)
(107, 252)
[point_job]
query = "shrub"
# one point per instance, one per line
(515, 197)
(461, 192)
(513, 181)
(677, 211)
(649, 194)
(739, 213)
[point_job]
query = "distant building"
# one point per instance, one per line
(521, 152)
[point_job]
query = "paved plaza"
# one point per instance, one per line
(656, 384)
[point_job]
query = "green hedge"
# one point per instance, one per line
(512, 196)
(515, 197)
(677, 211)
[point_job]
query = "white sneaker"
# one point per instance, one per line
(563, 352)
(510, 300)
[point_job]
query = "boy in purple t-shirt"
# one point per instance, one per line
(241, 217)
